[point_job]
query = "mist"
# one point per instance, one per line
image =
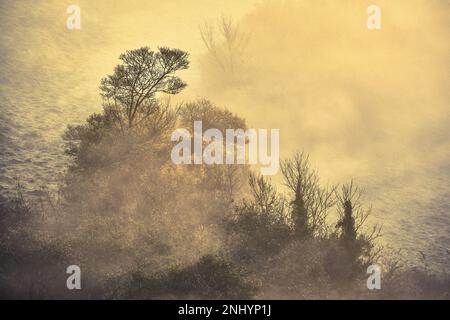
(368, 105)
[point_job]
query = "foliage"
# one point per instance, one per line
(142, 227)
(129, 93)
(211, 277)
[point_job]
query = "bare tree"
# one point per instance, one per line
(129, 93)
(266, 198)
(311, 202)
(227, 47)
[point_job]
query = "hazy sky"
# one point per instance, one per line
(368, 105)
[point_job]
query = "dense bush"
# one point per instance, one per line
(211, 277)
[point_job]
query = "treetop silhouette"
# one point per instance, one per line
(129, 93)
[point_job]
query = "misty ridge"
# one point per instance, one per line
(141, 227)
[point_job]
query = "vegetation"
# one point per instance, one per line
(141, 227)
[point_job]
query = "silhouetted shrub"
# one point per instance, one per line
(211, 277)
(258, 227)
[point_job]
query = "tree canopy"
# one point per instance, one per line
(129, 93)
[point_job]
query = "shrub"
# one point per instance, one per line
(211, 277)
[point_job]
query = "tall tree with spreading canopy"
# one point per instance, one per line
(129, 93)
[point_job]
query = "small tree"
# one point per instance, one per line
(226, 178)
(360, 246)
(348, 198)
(226, 45)
(129, 93)
(258, 225)
(310, 202)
